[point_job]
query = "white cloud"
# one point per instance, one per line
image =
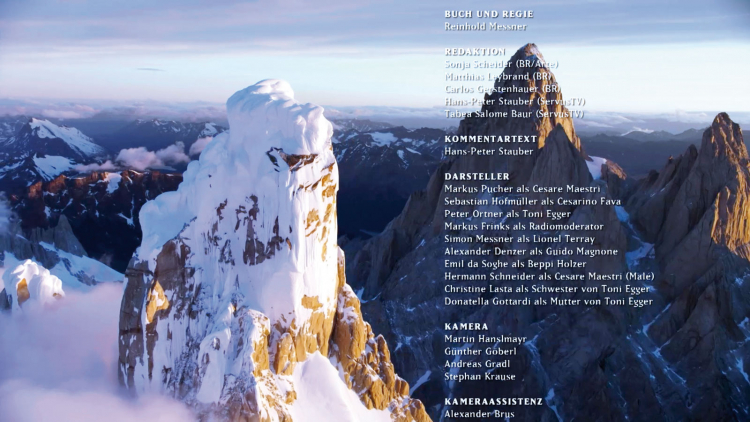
(199, 145)
(639, 129)
(173, 154)
(138, 158)
(60, 363)
(141, 159)
(75, 111)
(105, 166)
(196, 111)
(29, 403)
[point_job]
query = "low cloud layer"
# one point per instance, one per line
(173, 154)
(141, 159)
(196, 111)
(106, 166)
(199, 145)
(60, 363)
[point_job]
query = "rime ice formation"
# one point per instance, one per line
(29, 282)
(239, 284)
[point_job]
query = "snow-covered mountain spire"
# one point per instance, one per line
(237, 296)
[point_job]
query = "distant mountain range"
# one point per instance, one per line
(157, 134)
(638, 152)
(380, 166)
(34, 150)
(40, 150)
(684, 355)
(379, 169)
(661, 135)
(102, 208)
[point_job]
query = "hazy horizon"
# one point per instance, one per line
(635, 56)
(411, 117)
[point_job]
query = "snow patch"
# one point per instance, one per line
(622, 215)
(209, 130)
(323, 396)
(113, 182)
(129, 220)
(549, 399)
(52, 166)
(72, 267)
(646, 250)
(383, 138)
(595, 166)
(741, 368)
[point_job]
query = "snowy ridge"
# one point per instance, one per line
(80, 272)
(71, 136)
(335, 404)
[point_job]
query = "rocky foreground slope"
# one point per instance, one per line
(682, 358)
(236, 301)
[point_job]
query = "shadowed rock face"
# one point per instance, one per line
(695, 209)
(402, 287)
(701, 249)
(683, 358)
(711, 207)
(236, 285)
(102, 209)
(379, 170)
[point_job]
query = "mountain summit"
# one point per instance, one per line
(683, 357)
(236, 302)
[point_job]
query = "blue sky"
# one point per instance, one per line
(636, 55)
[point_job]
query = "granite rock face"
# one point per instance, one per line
(682, 358)
(701, 250)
